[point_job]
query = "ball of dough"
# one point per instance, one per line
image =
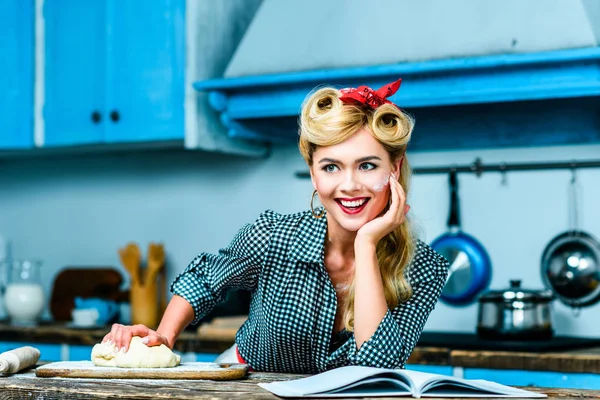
(138, 356)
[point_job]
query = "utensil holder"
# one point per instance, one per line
(144, 304)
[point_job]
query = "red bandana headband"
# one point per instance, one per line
(369, 97)
(372, 98)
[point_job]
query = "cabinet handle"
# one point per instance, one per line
(96, 117)
(114, 116)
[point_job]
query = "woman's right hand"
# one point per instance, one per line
(120, 336)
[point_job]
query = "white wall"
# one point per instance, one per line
(78, 210)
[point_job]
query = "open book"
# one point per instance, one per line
(357, 381)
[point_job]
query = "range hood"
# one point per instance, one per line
(475, 73)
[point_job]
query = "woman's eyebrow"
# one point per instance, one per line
(358, 161)
(368, 158)
(328, 160)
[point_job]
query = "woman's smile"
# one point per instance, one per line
(352, 205)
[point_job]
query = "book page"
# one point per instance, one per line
(475, 388)
(353, 381)
(432, 385)
(375, 387)
(335, 380)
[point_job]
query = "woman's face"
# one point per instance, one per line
(352, 179)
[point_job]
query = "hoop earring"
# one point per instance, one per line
(312, 208)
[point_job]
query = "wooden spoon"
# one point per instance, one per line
(156, 260)
(131, 258)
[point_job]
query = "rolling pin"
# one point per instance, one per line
(18, 359)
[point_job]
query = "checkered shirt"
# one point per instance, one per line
(280, 259)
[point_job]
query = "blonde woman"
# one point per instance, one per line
(345, 283)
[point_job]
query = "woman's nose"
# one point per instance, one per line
(350, 182)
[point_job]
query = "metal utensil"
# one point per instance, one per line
(571, 262)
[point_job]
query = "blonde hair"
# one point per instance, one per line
(324, 121)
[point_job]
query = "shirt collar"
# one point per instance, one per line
(309, 240)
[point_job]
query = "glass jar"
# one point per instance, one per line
(24, 299)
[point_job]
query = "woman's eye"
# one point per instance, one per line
(367, 166)
(330, 168)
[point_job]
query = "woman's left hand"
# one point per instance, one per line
(373, 231)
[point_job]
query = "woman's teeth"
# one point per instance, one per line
(355, 203)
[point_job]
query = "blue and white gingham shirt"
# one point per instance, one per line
(280, 259)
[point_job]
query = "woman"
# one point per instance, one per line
(345, 283)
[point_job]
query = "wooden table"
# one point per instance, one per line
(579, 361)
(27, 385)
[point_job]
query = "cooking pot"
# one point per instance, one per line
(515, 314)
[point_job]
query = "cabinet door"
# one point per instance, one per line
(146, 70)
(431, 369)
(80, 352)
(48, 352)
(75, 65)
(16, 69)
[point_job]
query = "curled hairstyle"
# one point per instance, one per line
(324, 121)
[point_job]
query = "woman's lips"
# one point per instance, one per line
(352, 210)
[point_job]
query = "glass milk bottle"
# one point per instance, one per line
(24, 298)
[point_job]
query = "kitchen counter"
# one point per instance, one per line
(27, 385)
(582, 360)
(585, 360)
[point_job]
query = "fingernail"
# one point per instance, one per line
(145, 340)
(110, 342)
(117, 349)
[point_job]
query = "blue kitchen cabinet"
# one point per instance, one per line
(431, 369)
(74, 69)
(114, 71)
(48, 352)
(551, 379)
(17, 71)
(80, 352)
(206, 357)
(146, 67)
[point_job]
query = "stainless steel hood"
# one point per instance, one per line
(476, 73)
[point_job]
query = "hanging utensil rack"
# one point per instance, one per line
(477, 167)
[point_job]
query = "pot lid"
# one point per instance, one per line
(516, 292)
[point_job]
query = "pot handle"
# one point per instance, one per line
(573, 206)
(454, 216)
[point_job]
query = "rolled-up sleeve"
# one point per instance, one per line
(206, 280)
(400, 329)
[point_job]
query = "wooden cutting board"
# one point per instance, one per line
(71, 282)
(188, 370)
